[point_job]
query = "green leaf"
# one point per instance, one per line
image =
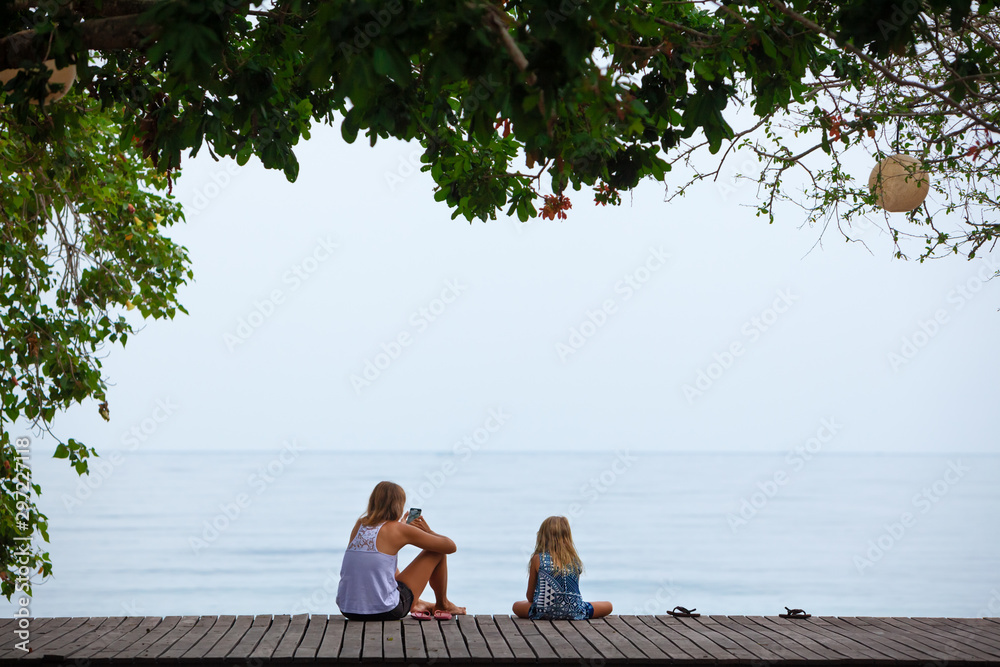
(349, 130)
(768, 45)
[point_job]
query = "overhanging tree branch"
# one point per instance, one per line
(940, 92)
(110, 34)
(96, 8)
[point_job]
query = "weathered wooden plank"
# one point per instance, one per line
(40, 645)
(313, 637)
(852, 647)
(519, 646)
(285, 650)
(956, 649)
(609, 633)
(141, 641)
(9, 648)
(152, 651)
(230, 639)
(479, 651)
(652, 653)
(572, 649)
(453, 641)
(799, 631)
(792, 635)
(739, 635)
(39, 631)
(669, 642)
(353, 641)
(413, 639)
(371, 642)
(986, 625)
(495, 641)
(433, 641)
(898, 650)
(35, 627)
(974, 628)
(392, 641)
(697, 645)
(59, 643)
(860, 640)
(189, 639)
(333, 639)
(218, 630)
(122, 644)
(248, 642)
(9, 626)
(765, 639)
(809, 650)
(936, 652)
(962, 633)
(607, 649)
(531, 632)
(468, 640)
(716, 634)
(70, 641)
(271, 637)
(86, 647)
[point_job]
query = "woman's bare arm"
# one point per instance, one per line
(419, 535)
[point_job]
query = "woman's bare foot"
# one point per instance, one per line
(421, 605)
(450, 607)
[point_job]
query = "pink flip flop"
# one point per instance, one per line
(442, 615)
(421, 615)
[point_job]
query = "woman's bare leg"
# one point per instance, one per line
(439, 584)
(521, 608)
(429, 567)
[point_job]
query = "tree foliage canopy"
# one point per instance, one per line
(516, 105)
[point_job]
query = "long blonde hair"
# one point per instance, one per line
(385, 504)
(555, 537)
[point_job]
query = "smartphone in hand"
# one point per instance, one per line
(414, 513)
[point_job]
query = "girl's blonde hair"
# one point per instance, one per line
(555, 537)
(385, 504)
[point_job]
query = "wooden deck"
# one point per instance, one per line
(470, 641)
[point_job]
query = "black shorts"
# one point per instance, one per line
(400, 610)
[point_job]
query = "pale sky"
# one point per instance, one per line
(299, 287)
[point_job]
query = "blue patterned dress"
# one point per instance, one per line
(557, 595)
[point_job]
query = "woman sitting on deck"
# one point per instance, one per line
(371, 586)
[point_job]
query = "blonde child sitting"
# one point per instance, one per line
(554, 578)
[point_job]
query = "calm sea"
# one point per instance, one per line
(263, 532)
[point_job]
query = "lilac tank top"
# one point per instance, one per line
(367, 576)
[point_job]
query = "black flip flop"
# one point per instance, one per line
(795, 613)
(682, 612)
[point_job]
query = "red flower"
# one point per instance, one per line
(555, 206)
